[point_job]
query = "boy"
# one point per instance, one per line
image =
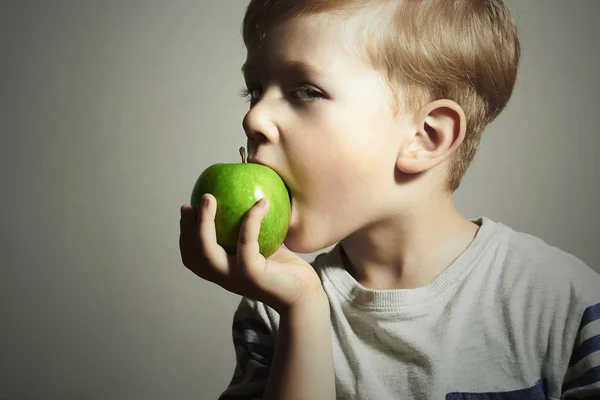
(371, 112)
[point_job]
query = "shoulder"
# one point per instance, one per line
(531, 258)
(543, 274)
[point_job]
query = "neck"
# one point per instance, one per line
(409, 251)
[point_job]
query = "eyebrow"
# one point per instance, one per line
(294, 66)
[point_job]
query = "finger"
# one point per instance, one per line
(248, 247)
(187, 233)
(207, 236)
(285, 256)
(188, 222)
(188, 218)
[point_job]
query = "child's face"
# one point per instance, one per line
(322, 119)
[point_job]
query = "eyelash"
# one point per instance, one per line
(312, 93)
(246, 93)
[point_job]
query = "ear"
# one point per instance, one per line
(440, 129)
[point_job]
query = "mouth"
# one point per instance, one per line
(253, 160)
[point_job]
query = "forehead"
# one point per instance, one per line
(320, 40)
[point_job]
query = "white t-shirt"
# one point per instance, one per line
(511, 318)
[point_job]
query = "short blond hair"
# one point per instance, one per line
(467, 51)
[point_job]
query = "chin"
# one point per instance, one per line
(305, 242)
(299, 246)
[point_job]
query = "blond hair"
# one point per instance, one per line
(466, 51)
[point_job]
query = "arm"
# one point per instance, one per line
(583, 376)
(299, 355)
(254, 345)
(582, 380)
(287, 284)
(303, 362)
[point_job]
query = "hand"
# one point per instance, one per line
(281, 281)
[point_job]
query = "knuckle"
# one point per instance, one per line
(247, 267)
(197, 264)
(247, 273)
(244, 238)
(246, 235)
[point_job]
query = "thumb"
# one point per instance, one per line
(285, 256)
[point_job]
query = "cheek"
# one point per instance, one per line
(332, 206)
(337, 163)
(338, 191)
(339, 184)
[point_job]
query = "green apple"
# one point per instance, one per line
(237, 187)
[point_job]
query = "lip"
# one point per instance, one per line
(254, 160)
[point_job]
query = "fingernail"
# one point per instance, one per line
(205, 201)
(262, 203)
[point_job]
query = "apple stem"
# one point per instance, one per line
(243, 154)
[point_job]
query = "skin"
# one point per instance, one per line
(358, 172)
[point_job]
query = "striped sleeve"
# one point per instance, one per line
(254, 346)
(582, 380)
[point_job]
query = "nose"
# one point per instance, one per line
(259, 124)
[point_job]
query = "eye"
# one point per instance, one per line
(306, 93)
(251, 94)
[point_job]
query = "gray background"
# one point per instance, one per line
(110, 110)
